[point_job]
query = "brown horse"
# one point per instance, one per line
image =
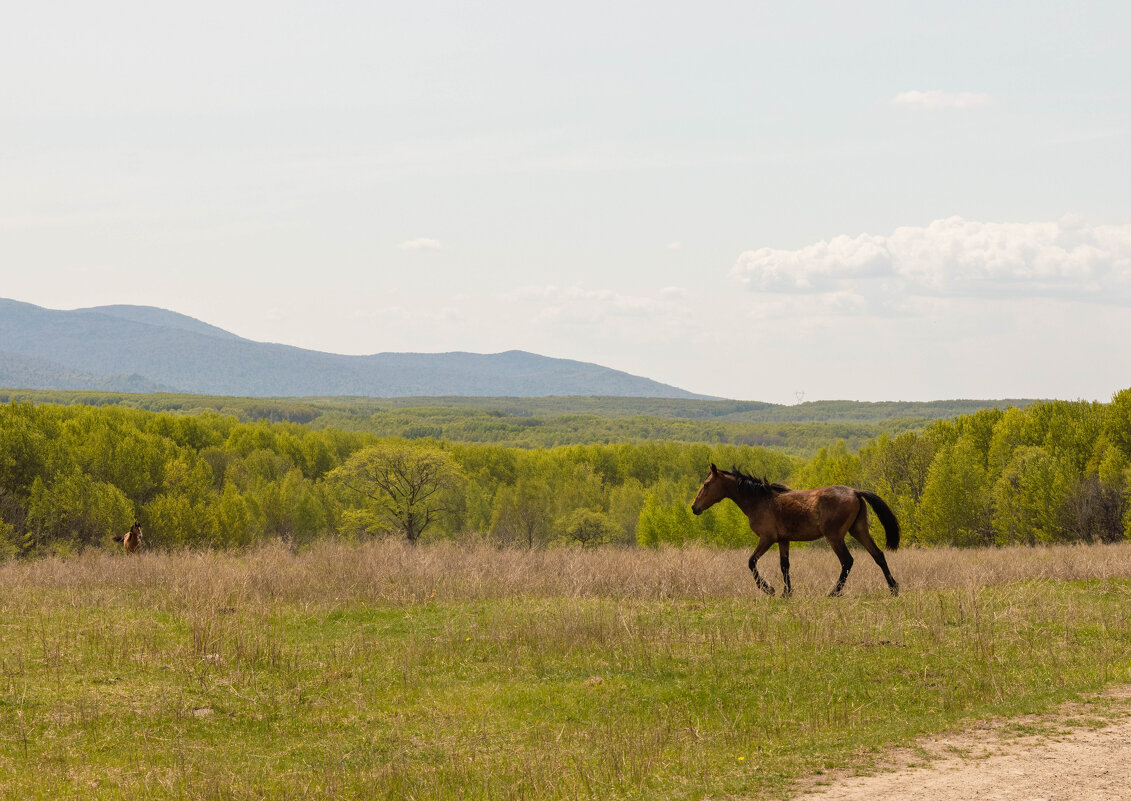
(780, 515)
(131, 540)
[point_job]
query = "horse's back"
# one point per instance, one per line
(840, 502)
(832, 496)
(823, 512)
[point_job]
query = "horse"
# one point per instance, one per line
(131, 540)
(778, 514)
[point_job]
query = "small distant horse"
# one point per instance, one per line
(780, 515)
(131, 540)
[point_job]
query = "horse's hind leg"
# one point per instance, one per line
(783, 555)
(860, 532)
(764, 544)
(870, 545)
(841, 551)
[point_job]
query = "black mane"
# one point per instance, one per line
(755, 487)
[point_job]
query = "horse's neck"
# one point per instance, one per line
(751, 505)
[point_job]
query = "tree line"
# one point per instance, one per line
(1054, 472)
(74, 476)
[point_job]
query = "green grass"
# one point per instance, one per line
(387, 672)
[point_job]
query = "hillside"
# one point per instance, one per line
(801, 429)
(143, 349)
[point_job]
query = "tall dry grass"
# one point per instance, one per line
(391, 572)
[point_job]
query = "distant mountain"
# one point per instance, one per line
(145, 349)
(32, 373)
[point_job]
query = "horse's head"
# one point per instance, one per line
(713, 490)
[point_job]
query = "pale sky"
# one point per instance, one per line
(872, 201)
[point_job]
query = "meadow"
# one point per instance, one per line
(464, 671)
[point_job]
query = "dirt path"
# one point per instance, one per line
(1081, 753)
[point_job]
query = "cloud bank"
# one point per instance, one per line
(1064, 260)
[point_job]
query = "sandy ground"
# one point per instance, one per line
(1078, 755)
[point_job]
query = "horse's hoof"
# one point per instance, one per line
(894, 590)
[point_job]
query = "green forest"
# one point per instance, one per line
(801, 429)
(77, 470)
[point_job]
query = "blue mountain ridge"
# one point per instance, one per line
(144, 349)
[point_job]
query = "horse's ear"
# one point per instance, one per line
(714, 470)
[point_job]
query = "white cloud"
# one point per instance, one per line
(422, 243)
(1065, 260)
(820, 267)
(935, 99)
(675, 245)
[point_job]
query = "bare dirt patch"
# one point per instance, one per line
(1082, 752)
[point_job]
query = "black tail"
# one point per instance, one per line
(886, 515)
(119, 539)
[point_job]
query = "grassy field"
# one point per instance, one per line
(463, 672)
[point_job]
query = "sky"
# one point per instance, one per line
(760, 201)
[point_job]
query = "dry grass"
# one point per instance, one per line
(391, 572)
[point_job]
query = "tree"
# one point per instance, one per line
(291, 508)
(23, 449)
(173, 519)
(625, 503)
(1030, 497)
(896, 470)
(9, 546)
(77, 510)
(408, 484)
(831, 465)
(665, 518)
(235, 522)
(955, 508)
(1118, 425)
(523, 513)
(587, 527)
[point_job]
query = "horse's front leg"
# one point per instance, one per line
(764, 544)
(783, 555)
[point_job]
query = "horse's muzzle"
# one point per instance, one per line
(695, 511)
